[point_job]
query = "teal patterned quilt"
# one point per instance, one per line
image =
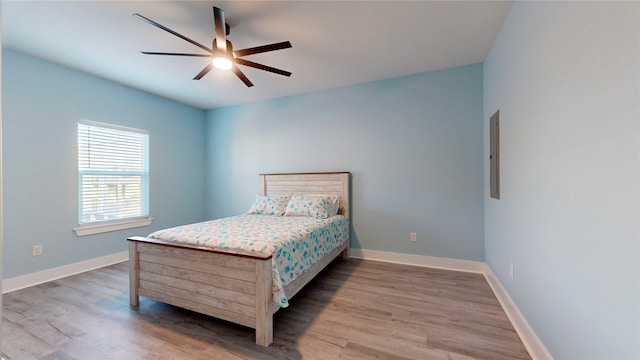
(296, 242)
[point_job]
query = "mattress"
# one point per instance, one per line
(295, 242)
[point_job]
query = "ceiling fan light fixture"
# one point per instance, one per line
(222, 61)
(221, 52)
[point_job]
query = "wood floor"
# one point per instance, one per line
(353, 310)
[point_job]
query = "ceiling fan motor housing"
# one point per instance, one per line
(214, 46)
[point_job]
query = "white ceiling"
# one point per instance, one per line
(335, 43)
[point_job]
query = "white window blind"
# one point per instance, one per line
(113, 173)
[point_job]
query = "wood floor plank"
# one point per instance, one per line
(353, 310)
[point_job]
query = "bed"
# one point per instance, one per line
(228, 283)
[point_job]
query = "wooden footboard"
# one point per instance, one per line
(231, 287)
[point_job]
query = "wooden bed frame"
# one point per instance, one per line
(229, 285)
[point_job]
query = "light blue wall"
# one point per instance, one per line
(413, 146)
(42, 104)
(565, 76)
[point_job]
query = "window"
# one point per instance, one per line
(113, 178)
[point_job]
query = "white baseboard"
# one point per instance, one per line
(24, 281)
(531, 342)
(419, 260)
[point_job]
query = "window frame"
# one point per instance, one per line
(96, 227)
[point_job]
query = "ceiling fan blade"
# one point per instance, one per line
(172, 32)
(261, 49)
(203, 72)
(218, 20)
(241, 75)
(175, 54)
(262, 67)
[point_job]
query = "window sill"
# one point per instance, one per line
(91, 229)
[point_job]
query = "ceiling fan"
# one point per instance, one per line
(221, 52)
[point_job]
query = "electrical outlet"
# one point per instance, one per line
(414, 237)
(37, 250)
(512, 271)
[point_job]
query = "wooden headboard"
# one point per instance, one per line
(331, 183)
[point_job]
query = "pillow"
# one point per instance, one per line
(333, 199)
(317, 206)
(269, 205)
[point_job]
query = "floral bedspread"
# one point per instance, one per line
(296, 242)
